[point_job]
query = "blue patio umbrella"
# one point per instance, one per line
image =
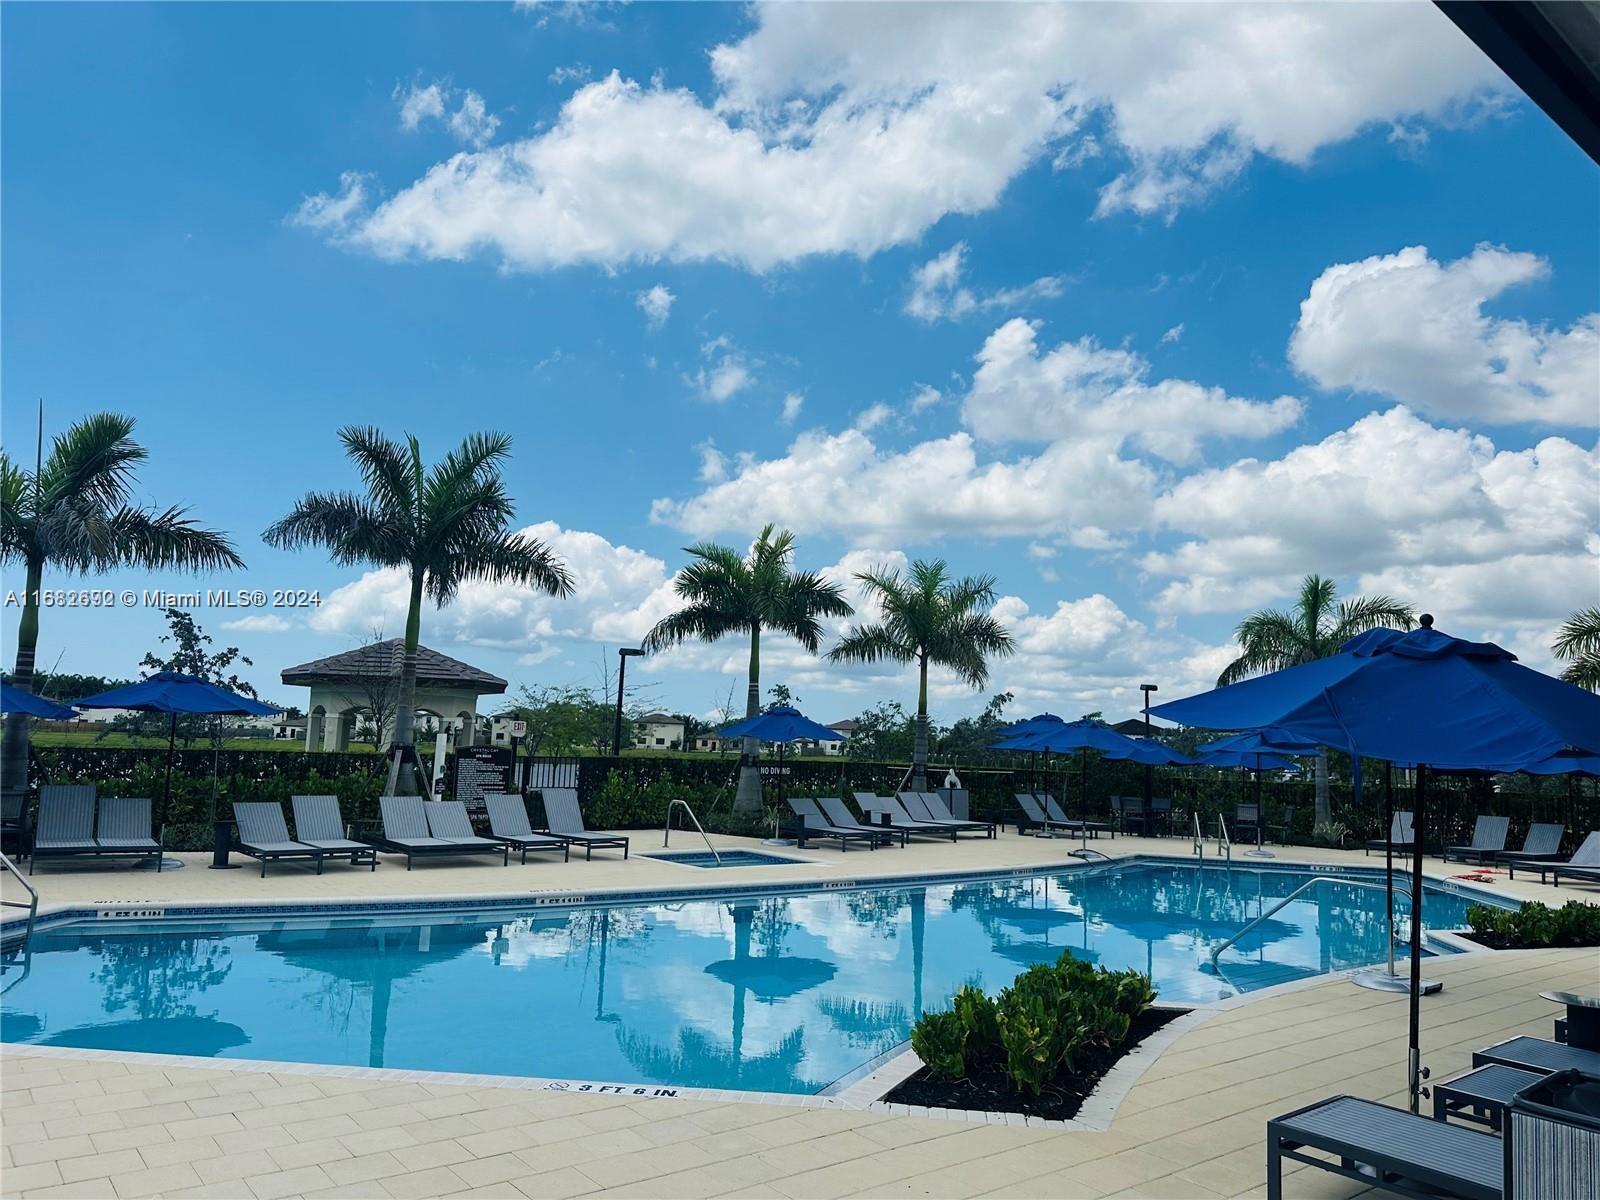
(1565, 763)
(1154, 754)
(15, 700)
(1257, 750)
(781, 724)
(1421, 698)
(1082, 735)
(1032, 726)
(178, 695)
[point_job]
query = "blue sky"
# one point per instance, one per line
(1147, 311)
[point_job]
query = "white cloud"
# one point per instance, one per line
(924, 398)
(1436, 516)
(259, 623)
(937, 292)
(472, 124)
(724, 376)
(845, 129)
(1172, 335)
(792, 404)
(1408, 327)
(576, 73)
(656, 304)
(1081, 389)
(329, 214)
(872, 417)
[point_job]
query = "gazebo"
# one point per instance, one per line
(365, 682)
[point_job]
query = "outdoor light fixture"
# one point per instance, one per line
(624, 653)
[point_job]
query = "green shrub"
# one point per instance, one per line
(1047, 1023)
(1534, 925)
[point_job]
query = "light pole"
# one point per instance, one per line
(1149, 771)
(624, 653)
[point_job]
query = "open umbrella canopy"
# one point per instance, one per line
(15, 700)
(1262, 741)
(1154, 754)
(1255, 760)
(176, 693)
(1083, 734)
(780, 724)
(1568, 762)
(1021, 729)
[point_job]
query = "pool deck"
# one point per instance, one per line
(1191, 1126)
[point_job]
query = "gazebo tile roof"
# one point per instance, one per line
(384, 658)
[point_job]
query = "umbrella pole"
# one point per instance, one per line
(1261, 817)
(1386, 979)
(1414, 1071)
(166, 792)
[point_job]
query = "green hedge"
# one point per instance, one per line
(1535, 926)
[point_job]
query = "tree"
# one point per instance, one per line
(189, 655)
(1272, 639)
(564, 719)
(928, 618)
(1578, 645)
(72, 513)
(441, 525)
(780, 696)
(725, 593)
(971, 736)
(883, 733)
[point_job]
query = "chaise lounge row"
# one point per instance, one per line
(884, 820)
(1541, 848)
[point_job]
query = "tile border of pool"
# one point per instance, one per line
(148, 910)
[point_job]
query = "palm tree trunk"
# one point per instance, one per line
(1323, 813)
(405, 717)
(747, 799)
(15, 743)
(919, 744)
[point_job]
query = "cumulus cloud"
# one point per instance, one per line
(792, 404)
(1436, 516)
(845, 129)
(937, 292)
(327, 213)
(258, 623)
(725, 374)
(656, 304)
(1083, 389)
(471, 123)
(1411, 328)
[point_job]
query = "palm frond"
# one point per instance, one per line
(347, 526)
(1269, 640)
(510, 558)
(386, 469)
(1578, 645)
(169, 539)
(695, 622)
(16, 517)
(93, 459)
(871, 643)
(1369, 612)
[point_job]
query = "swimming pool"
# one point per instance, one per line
(777, 992)
(724, 858)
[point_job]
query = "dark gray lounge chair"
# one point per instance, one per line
(405, 831)
(1033, 816)
(840, 816)
(67, 827)
(508, 821)
(1246, 822)
(1488, 840)
(1542, 844)
(448, 821)
(1387, 1148)
(263, 835)
(898, 818)
(935, 809)
(1584, 863)
(1399, 834)
(318, 822)
(1537, 1054)
(565, 820)
(1057, 817)
(810, 823)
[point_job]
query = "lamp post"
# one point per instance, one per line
(624, 653)
(1149, 771)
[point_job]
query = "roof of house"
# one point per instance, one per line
(282, 720)
(1132, 727)
(661, 718)
(844, 726)
(384, 658)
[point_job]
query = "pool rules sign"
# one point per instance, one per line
(481, 771)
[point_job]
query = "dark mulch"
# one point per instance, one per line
(991, 1091)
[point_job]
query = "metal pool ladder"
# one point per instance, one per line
(1304, 887)
(32, 905)
(666, 833)
(1224, 844)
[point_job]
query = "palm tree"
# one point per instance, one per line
(928, 617)
(1272, 639)
(442, 525)
(725, 593)
(1578, 645)
(71, 512)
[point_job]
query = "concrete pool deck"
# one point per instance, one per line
(1192, 1125)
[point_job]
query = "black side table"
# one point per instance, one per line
(1481, 1095)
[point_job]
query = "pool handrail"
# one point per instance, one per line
(666, 832)
(33, 899)
(1307, 885)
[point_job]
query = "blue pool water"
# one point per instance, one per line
(784, 993)
(725, 858)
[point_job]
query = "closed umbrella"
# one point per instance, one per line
(1427, 699)
(180, 695)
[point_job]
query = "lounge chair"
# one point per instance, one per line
(1388, 1148)
(1488, 840)
(66, 827)
(811, 824)
(508, 821)
(263, 835)
(1057, 817)
(1399, 834)
(448, 821)
(1033, 816)
(1584, 864)
(1246, 823)
(318, 822)
(565, 821)
(839, 815)
(1542, 844)
(1539, 1055)
(405, 831)
(933, 808)
(898, 817)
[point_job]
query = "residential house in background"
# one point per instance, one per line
(659, 731)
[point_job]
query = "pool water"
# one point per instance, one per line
(780, 993)
(725, 858)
